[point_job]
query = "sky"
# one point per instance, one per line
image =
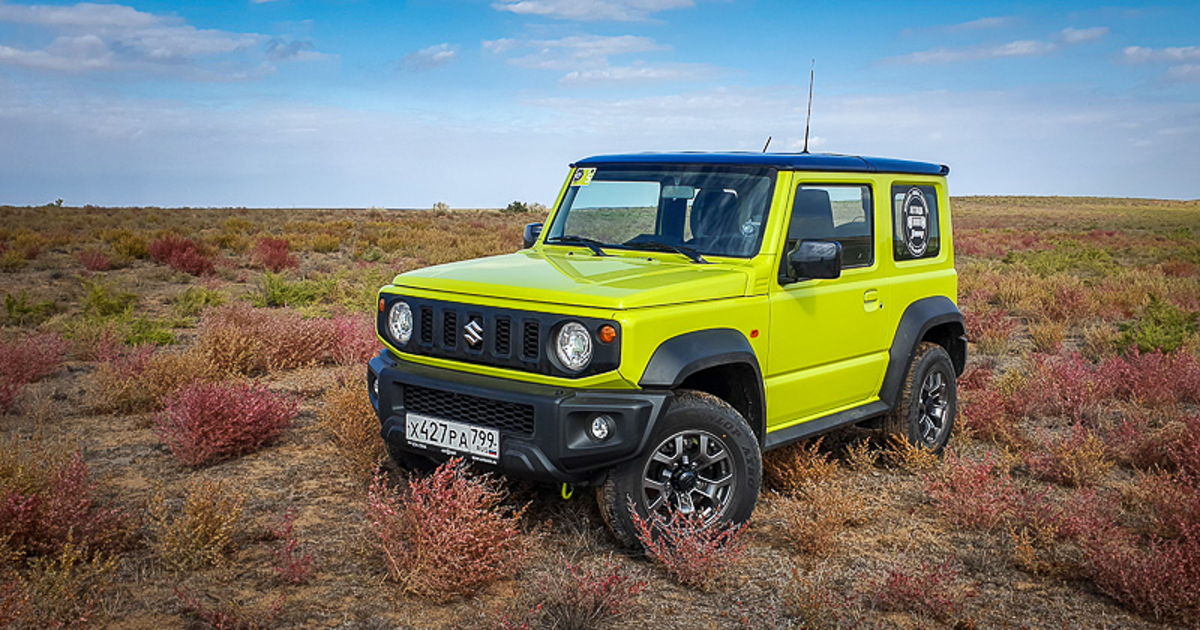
(477, 103)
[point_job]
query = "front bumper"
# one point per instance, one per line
(543, 429)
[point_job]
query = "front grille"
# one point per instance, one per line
(426, 325)
(494, 414)
(449, 329)
(529, 341)
(503, 336)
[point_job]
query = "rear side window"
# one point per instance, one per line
(835, 212)
(915, 232)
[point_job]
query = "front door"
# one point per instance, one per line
(829, 338)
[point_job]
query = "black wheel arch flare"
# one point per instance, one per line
(925, 315)
(690, 353)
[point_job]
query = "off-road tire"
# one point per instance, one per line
(915, 409)
(691, 414)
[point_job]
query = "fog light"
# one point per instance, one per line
(375, 388)
(601, 428)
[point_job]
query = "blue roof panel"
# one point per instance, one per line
(798, 161)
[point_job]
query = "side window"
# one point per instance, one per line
(915, 232)
(835, 212)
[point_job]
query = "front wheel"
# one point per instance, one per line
(924, 413)
(702, 459)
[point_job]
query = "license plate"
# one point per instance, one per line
(452, 437)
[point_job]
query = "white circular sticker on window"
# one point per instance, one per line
(916, 222)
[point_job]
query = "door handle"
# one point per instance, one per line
(871, 301)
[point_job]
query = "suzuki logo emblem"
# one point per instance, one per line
(473, 333)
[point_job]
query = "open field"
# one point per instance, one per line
(1070, 496)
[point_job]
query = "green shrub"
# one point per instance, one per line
(195, 299)
(1162, 326)
(143, 331)
(516, 207)
(20, 310)
(277, 291)
(104, 301)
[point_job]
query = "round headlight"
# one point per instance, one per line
(573, 346)
(400, 322)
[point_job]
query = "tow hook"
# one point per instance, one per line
(568, 491)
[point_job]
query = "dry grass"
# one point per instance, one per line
(199, 529)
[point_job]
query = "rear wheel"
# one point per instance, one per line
(702, 459)
(924, 413)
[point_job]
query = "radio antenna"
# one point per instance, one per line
(808, 119)
(767, 144)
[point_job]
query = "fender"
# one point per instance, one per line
(680, 357)
(918, 319)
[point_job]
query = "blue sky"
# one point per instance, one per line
(297, 103)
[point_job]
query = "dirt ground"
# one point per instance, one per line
(897, 525)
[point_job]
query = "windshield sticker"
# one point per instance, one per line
(916, 222)
(583, 176)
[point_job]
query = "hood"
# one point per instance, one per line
(610, 282)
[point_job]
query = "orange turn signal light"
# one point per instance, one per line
(607, 334)
(380, 305)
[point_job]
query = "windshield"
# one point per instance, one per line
(713, 210)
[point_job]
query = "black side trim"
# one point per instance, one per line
(805, 430)
(680, 357)
(918, 319)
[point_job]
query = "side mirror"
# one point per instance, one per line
(532, 232)
(815, 260)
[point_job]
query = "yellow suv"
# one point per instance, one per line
(676, 315)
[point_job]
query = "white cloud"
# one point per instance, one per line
(639, 72)
(111, 37)
(575, 53)
(1019, 48)
(592, 10)
(1080, 35)
(431, 57)
(1141, 54)
(981, 24)
(1186, 73)
(1184, 70)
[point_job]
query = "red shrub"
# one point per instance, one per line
(985, 414)
(930, 590)
(241, 339)
(978, 377)
(1184, 449)
(181, 254)
(584, 598)
(695, 555)
(1079, 458)
(46, 502)
(975, 495)
(31, 358)
(1071, 302)
(1137, 443)
(355, 340)
(448, 535)
(292, 562)
(24, 360)
(989, 327)
(205, 422)
(1063, 385)
(95, 260)
(1153, 379)
(1160, 579)
(272, 253)
(231, 614)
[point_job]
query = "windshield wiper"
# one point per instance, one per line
(571, 239)
(660, 246)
